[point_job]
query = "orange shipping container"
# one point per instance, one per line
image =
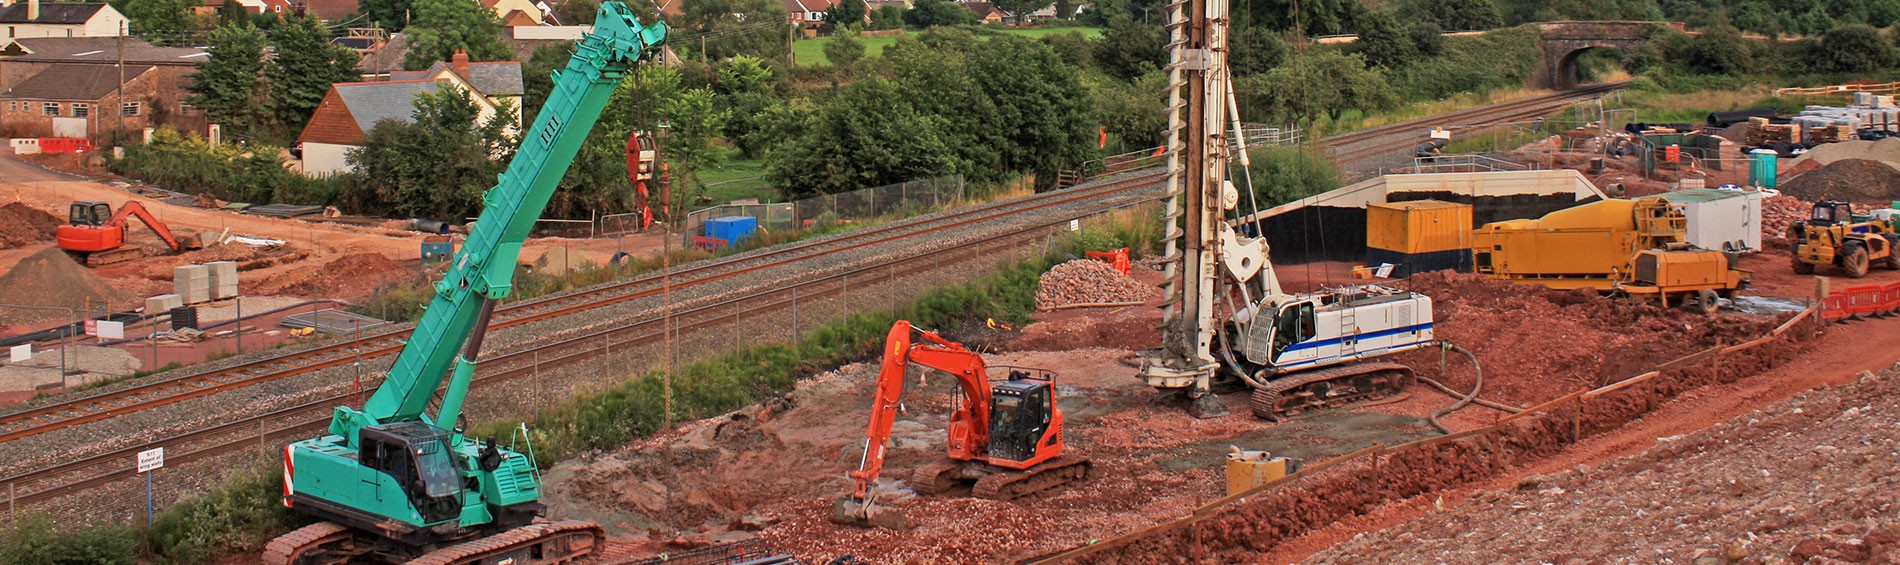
(1419, 226)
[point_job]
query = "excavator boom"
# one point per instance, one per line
(133, 208)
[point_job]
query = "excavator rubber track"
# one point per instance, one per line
(114, 256)
(1331, 387)
(309, 545)
(542, 542)
(1011, 485)
(934, 478)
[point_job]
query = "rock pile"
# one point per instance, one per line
(1777, 213)
(1086, 281)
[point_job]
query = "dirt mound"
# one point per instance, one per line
(1887, 150)
(51, 278)
(21, 225)
(1579, 341)
(1856, 180)
(349, 276)
(1087, 281)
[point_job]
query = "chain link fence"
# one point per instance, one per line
(843, 207)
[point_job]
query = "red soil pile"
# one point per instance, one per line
(349, 276)
(22, 225)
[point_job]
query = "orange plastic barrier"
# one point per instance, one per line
(65, 145)
(1117, 258)
(1853, 301)
(709, 243)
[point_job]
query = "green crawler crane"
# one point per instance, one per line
(394, 483)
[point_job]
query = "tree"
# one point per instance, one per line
(158, 20)
(1130, 49)
(892, 17)
(537, 77)
(1285, 174)
(441, 27)
(1718, 50)
(307, 63)
(846, 13)
(844, 49)
(867, 135)
(1041, 106)
(1464, 15)
(1755, 16)
(393, 15)
(1320, 84)
(1427, 38)
(1383, 41)
(1852, 48)
(228, 85)
(577, 12)
(435, 166)
(1022, 8)
(695, 120)
(930, 13)
(1883, 13)
(933, 72)
(733, 28)
(1076, 49)
(1813, 22)
(1134, 114)
(233, 13)
(1255, 50)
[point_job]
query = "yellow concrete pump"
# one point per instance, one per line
(1632, 247)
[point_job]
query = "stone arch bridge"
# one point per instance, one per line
(1561, 43)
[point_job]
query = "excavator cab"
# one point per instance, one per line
(1020, 411)
(90, 213)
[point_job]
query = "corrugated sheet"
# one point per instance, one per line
(1418, 226)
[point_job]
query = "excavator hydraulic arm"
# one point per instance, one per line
(133, 208)
(969, 423)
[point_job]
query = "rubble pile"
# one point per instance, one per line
(21, 225)
(1777, 213)
(1085, 281)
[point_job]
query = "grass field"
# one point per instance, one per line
(811, 52)
(735, 179)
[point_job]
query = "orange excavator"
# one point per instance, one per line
(1005, 435)
(97, 234)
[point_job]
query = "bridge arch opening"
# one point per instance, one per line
(1590, 64)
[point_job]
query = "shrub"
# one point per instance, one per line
(243, 512)
(33, 538)
(187, 163)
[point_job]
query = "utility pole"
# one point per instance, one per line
(120, 93)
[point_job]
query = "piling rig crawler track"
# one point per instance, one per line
(1006, 436)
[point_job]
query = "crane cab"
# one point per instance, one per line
(1025, 426)
(89, 213)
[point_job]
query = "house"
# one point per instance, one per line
(77, 100)
(378, 52)
(100, 56)
(326, 10)
(280, 8)
(986, 12)
(33, 19)
(350, 110)
(499, 81)
(807, 13)
(514, 13)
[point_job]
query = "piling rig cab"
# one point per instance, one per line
(1834, 235)
(392, 482)
(1226, 322)
(1004, 436)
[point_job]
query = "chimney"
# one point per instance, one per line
(32, 10)
(459, 61)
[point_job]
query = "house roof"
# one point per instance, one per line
(351, 109)
(985, 9)
(498, 78)
(59, 14)
(385, 59)
(66, 81)
(808, 5)
(91, 50)
(328, 10)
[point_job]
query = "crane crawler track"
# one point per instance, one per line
(1331, 387)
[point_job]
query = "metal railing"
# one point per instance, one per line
(843, 207)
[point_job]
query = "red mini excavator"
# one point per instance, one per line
(96, 233)
(1005, 435)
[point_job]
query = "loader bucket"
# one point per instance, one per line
(868, 514)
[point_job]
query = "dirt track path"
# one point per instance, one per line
(1853, 347)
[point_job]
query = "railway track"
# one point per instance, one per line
(109, 404)
(1366, 147)
(263, 432)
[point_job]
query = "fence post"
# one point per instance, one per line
(794, 316)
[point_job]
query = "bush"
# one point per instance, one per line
(1285, 174)
(187, 163)
(32, 538)
(242, 513)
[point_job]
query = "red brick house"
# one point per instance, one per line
(161, 91)
(77, 100)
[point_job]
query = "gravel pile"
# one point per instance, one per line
(1854, 180)
(1087, 281)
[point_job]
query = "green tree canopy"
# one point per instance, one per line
(228, 85)
(442, 26)
(434, 167)
(844, 48)
(392, 15)
(1383, 41)
(846, 13)
(735, 27)
(1463, 15)
(1852, 48)
(233, 13)
(867, 135)
(304, 68)
(933, 72)
(1718, 50)
(1041, 104)
(930, 13)
(887, 17)
(158, 21)
(1320, 84)
(1130, 49)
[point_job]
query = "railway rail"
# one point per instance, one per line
(263, 431)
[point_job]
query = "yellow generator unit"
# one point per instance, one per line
(1630, 246)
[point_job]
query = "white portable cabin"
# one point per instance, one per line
(1721, 220)
(1315, 330)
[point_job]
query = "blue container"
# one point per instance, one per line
(734, 229)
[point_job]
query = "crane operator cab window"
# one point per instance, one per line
(1294, 325)
(1019, 414)
(90, 213)
(416, 456)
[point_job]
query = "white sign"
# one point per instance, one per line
(1075, 225)
(1385, 270)
(111, 330)
(21, 353)
(151, 459)
(92, 327)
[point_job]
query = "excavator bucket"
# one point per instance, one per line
(868, 514)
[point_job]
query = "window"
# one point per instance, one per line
(50, 108)
(81, 109)
(132, 109)
(186, 109)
